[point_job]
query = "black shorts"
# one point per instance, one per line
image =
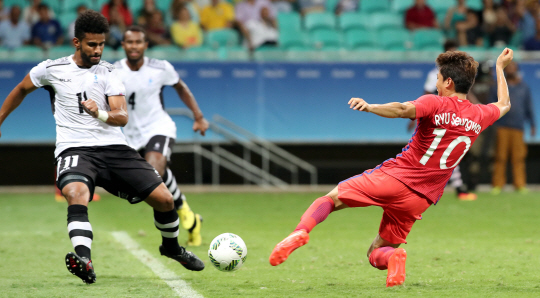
(161, 144)
(119, 169)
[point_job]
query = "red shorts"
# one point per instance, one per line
(402, 206)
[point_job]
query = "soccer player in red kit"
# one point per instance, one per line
(407, 185)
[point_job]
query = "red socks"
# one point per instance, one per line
(380, 256)
(316, 213)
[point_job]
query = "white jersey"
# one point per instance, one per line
(147, 116)
(68, 85)
(430, 85)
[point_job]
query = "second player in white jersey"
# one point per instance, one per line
(147, 116)
(69, 85)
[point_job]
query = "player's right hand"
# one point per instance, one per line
(90, 106)
(359, 104)
(505, 57)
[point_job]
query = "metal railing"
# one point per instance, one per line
(242, 166)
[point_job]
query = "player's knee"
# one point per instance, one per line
(76, 192)
(166, 202)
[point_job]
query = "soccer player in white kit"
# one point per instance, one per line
(89, 108)
(151, 131)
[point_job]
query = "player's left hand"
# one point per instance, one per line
(200, 125)
(359, 104)
(90, 106)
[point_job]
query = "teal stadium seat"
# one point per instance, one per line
(69, 6)
(222, 38)
(61, 51)
(21, 3)
(475, 4)
(440, 6)
(27, 53)
(393, 39)
(424, 38)
(136, 5)
(386, 20)
(319, 20)
(291, 38)
(326, 39)
(66, 18)
(289, 21)
(401, 6)
(98, 4)
(353, 20)
(359, 38)
(163, 5)
(370, 6)
(330, 5)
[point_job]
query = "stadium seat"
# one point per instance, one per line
(222, 38)
(66, 18)
(440, 6)
(166, 48)
(386, 20)
(21, 3)
(269, 54)
(136, 5)
(330, 5)
(291, 38)
(423, 38)
(163, 5)
(393, 39)
(53, 5)
(359, 38)
(475, 4)
(237, 53)
(401, 6)
(60, 51)
(98, 4)
(27, 53)
(353, 20)
(289, 21)
(319, 20)
(70, 6)
(370, 6)
(325, 39)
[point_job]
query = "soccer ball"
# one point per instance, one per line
(227, 252)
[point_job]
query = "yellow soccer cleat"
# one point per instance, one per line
(194, 234)
(187, 217)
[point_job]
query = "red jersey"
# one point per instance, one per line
(446, 129)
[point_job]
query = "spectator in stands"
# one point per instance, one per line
(117, 26)
(192, 7)
(218, 15)
(184, 32)
(47, 32)
(148, 8)
(156, 31)
(533, 43)
(250, 10)
(527, 23)
(4, 11)
(501, 32)
(283, 5)
(489, 14)
(263, 32)
(469, 31)
(71, 28)
(121, 9)
(14, 32)
(31, 13)
(346, 6)
(309, 6)
(510, 131)
(455, 14)
(420, 16)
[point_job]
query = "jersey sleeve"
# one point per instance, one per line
(426, 105)
(38, 75)
(491, 114)
(114, 85)
(169, 76)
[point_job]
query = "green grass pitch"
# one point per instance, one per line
(485, 248)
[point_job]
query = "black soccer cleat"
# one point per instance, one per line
(188, 259)
(82, 267)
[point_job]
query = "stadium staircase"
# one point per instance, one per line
(244, 165)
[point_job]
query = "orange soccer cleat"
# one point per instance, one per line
(467, 196)
(396, 268)
(283, 249)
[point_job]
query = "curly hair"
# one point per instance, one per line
(460, 67)
(90, 21)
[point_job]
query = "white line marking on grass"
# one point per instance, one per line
(180, 287)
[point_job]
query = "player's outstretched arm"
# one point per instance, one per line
(15, 97)
(117, 116)
(388, 110)
(187, 97)
(503, 96)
